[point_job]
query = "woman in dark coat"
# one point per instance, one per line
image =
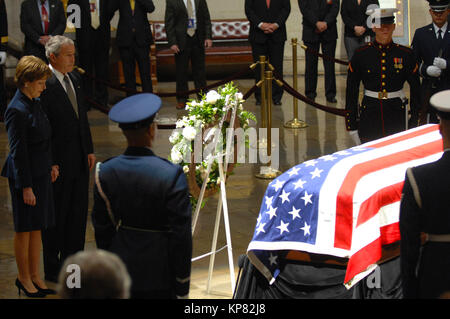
(29, 172)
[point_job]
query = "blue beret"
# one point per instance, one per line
(135, 111)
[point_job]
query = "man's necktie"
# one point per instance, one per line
(71, 94)
(44, 17)
(95, 20)
(268, 3)
(440, 38)
(132, 5)
(190, 11)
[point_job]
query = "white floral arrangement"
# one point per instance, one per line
(204, 114)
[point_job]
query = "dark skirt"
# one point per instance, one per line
(30, 218)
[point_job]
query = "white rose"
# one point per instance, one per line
(212, 97)
(189, 133)
(176, 156)
(174, 137)
(186, 169)
(238, 96)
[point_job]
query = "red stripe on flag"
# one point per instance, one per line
(344, 200)
(365, 257)
(390, 233)
(404, 137)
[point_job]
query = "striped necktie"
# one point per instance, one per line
(71, 94)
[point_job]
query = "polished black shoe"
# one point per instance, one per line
(277, 102)
(331, 99)
(46, 291)
(37, 294)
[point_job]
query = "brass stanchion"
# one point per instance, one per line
(268, 172)
(295, 123)
(262, 143)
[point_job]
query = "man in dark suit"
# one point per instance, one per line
(3, 46)
(319, 29)
(431, 45)
(39, 20)
(142, 210)
(93, 42)
(188, 29)
(134, 38)
(72, 151)
(267, 37)
(424, 216)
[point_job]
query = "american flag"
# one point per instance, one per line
(345, 204)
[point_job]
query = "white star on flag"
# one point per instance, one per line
(307, 198)
(283, 227)
(284, 197)
(343, 153)
(261, 228)
(310, 163)
(273, 259)
(293, 171)
(258, 220)
(269, 201)
(278, 184)
(272, 212)
(294, 212)
(306, 229)
(299, 183)
(328, 158)
(316, 173)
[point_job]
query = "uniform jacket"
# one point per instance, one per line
(71, 136)
(257, 12)
(355, 15)
(426, 47)
(176, 22)
(29, 135)
(319, 10)
(132, 27)
(3, 26)
(148, 193)
(381, 69)
(31, 24)
(428, 214)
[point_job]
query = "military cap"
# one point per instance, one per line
(136, 111)
(438, 5)
(441, 103)
(382, 15)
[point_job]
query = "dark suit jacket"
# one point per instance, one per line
(83, 33)
(71, 136)
(355, 15)
(29, 136)
(257, 12)
(3, 26)
(176, 22)
(129, 22)
(31, 25)
(319, 10)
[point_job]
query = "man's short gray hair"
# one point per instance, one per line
(55, 43)
(103, 275)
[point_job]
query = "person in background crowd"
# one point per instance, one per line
(267, 37)
(431, 45)
(39, 20)
(424, 209)
(72, 151)
(3, 47)
(357, 32)
(102, 275)
(320, 29)
(383, 67)
(30, 172)
(188, 29)
(142, 210)
(133, 39)
(93, 39)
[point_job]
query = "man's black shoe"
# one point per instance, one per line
(331, 99)
(277, 102)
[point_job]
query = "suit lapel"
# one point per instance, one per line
(37, 15)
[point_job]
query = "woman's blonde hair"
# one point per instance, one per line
(30, 69)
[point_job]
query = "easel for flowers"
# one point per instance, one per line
(223, 160)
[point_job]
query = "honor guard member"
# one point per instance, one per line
(431, 45)
(383, 67)
(142, 210)
(424, 217)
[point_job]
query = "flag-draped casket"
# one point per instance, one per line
(345, 204)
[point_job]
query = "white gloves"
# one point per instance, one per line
(434, 71)
(440, 63)
(2, 57)
(355, 137)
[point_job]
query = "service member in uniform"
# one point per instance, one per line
(431, 44)
(383, 67)
(142, 210)
(424, 209)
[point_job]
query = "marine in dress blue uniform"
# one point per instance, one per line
(424, 210)
(383, 70)
(142, 210)
(431, 45)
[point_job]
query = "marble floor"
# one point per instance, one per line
(325, 134)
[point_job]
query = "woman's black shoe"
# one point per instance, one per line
(47, 291)
(37, 294)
